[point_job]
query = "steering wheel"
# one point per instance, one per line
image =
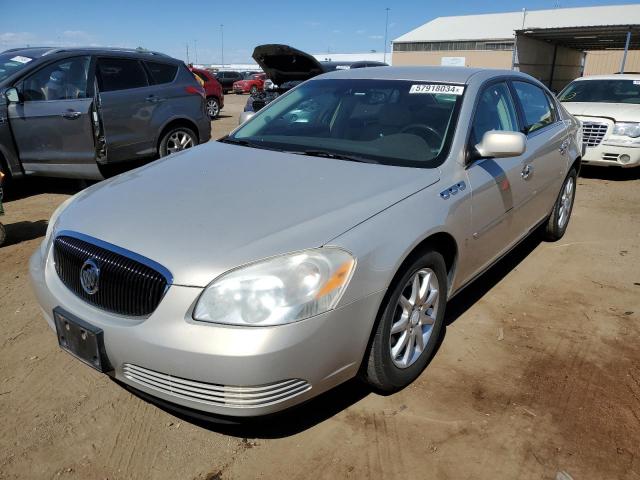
(422, 129)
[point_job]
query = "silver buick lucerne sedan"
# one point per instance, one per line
(319, 241)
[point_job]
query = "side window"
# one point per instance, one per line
(162, 72)
(535, 104)
(120, 74)
(495, 111)
(63, 80)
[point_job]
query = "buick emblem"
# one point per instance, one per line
(89, 276)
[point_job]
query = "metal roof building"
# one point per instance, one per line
(554, 45)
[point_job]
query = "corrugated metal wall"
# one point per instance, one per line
(608, 61)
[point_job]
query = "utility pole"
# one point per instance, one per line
(188, 53)
(386, 28)
(195, 50)
(222, 43)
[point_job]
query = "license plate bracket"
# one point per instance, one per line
(81, 339)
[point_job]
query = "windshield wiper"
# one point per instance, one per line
(246, 143)
(337, 156)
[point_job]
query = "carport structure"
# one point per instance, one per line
(555, 51)
(555, 45)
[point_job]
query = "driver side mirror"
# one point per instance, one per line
(501, 144)
(12, 95)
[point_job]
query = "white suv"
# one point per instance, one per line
(609, 108)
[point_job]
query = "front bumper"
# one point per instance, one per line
(612, 156)
(223, 370)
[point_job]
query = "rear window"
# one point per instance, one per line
(162, 72)
(120, 74)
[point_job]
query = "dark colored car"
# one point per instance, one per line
(227, 79)
(85, 112)
(286, 67)
(213, 91)
(253, 84)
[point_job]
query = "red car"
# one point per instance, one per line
(213, 91)
(252, 85)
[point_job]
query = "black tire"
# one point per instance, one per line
(3, 234)
(381, 371)
(253, 90)
(213, 107)
(557, 224)
(167, 142)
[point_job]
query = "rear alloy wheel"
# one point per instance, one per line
(176, 140)
(213, 108)
(559, 219)
(410, 324)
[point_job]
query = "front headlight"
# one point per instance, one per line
(627, 129)
(279, 290)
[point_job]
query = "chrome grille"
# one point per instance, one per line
(125, 286)
(219, 395)
(593, 133)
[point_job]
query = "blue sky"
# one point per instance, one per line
(167, 25)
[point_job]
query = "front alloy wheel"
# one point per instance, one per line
(414, 317)
(409, 324)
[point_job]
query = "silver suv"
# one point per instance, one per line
(82, 112)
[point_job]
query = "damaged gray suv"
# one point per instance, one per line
(85, 112)
(320, 240)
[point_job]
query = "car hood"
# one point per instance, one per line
(283, 63)
(204, 211)
(622, 112)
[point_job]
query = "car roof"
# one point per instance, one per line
(459, 75)
(61, 51)
(616, 76)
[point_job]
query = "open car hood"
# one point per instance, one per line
(283, 63)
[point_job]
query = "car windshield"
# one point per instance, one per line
(10, 63)
(602, 91)
(393, 122)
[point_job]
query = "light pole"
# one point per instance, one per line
(222, 43)
(195, 50)
(386, 28)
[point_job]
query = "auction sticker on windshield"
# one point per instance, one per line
(21, 59)
(437, 88)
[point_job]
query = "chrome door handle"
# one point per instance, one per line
(526, 172)
(70, 115)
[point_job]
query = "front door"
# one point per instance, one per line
(53, 125)
(498, 190)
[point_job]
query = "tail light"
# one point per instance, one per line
(193, 90)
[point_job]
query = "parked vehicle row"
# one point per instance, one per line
(319, 241)
(286, 67)
(75, 112)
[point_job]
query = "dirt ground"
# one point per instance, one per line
(538, 375)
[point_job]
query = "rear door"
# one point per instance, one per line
(127, 102)
(497, 188)
(547, 144)
(53, 126)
